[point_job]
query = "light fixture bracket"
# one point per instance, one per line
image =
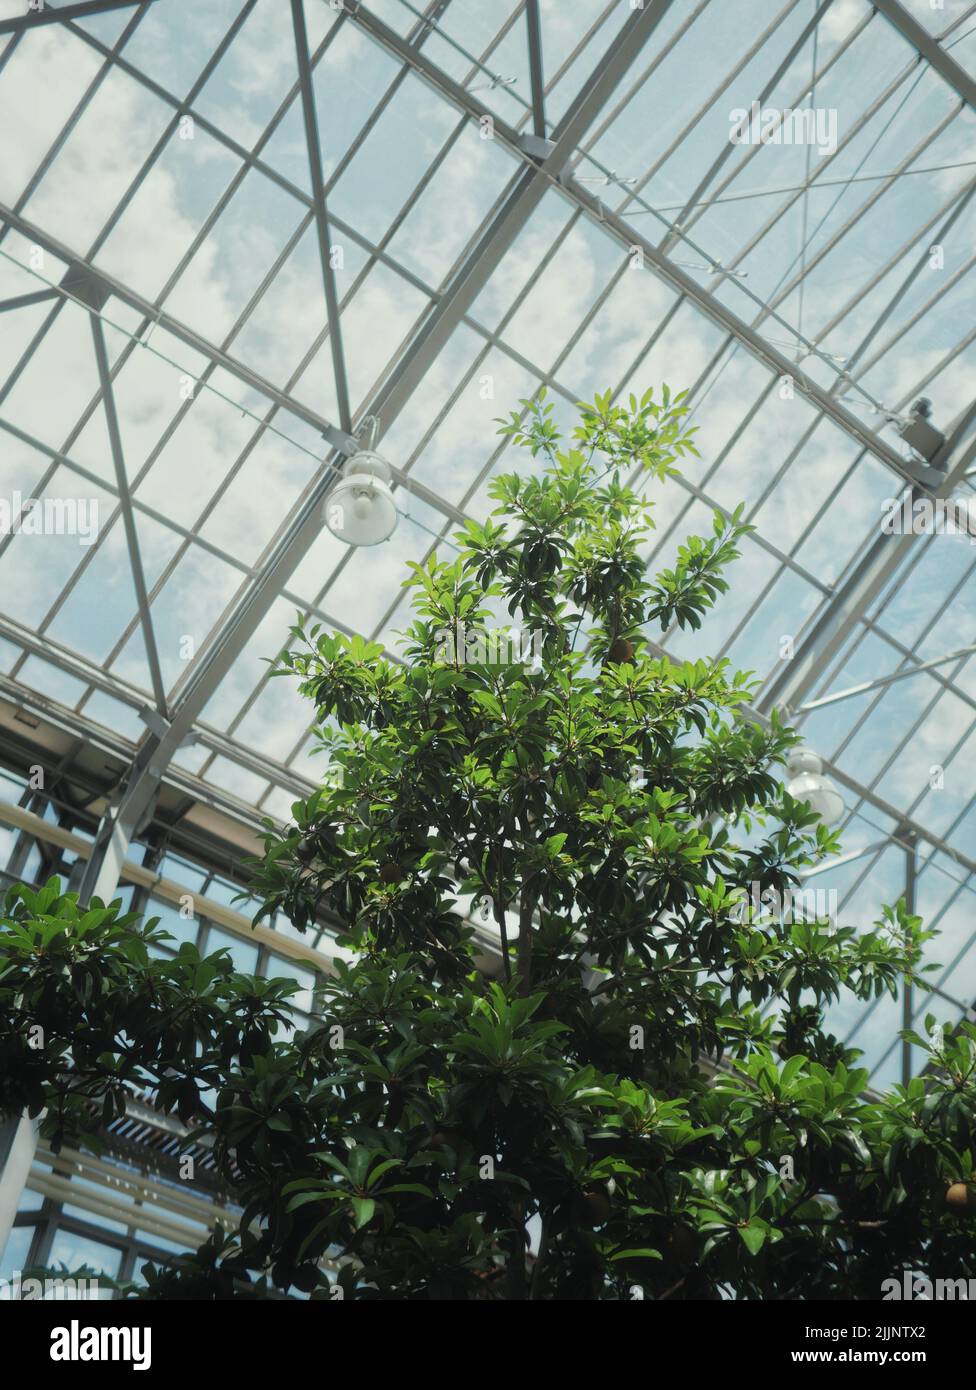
(535, 146)
(340, 441)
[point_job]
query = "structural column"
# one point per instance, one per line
(907, 1001)
(17, 1143)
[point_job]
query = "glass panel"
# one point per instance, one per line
(244, 956)
(74, 1251)
(16, 1252)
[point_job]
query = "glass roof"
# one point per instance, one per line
(558, 192)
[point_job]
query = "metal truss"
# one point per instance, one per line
(929, 48)
(548, 159)
(34, 18)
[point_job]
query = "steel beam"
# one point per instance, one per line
(728, 149)
(128, 518)
(526, 193)
(107, 683)
(191, 785)
(321, 212)
(113, 287)
(788, 687)
(911, 877)
(51, 14)
(209, 350)
(880, 681)
(929, 48)
(21, 301)
(536, 73)
(617, 225)
(134, 802)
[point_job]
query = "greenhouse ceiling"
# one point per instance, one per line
(230, 232)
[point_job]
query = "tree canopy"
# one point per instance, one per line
(574, 1047)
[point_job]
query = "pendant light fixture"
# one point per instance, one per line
(808, 783)
(360, 508)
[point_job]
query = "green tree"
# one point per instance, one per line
(572, 1054)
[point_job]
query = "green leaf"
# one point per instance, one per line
(364, 1208)
(754, 1237)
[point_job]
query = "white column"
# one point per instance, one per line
(19, 1135)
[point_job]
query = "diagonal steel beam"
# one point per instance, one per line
(321, 213)
(526, 193)
(623, 232)
(911, 883)
(788, 687)
(21, 301)
(536, 73)
(728, 149)
(110, 286)
(940, 238)
(128, 518)
(135, 800)
(210, 351)
(50, 14)
(879, 682)
(872, 798)
(930, 48)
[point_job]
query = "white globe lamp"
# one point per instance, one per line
(360, 509)
(808, 783)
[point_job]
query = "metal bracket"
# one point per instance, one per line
(157, 725)
(924, 473)
(81, 283)
(339, 440)
(536, 146)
